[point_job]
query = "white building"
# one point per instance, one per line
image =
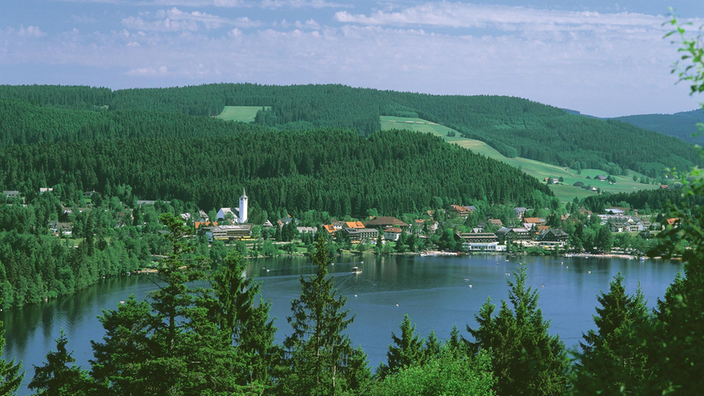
(242, 217)
(243, 207)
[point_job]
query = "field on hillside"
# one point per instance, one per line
(239, 113)
(565, 191)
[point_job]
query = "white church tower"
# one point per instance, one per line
(243, 208)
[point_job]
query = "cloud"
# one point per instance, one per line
(460, 15)
(274, 4)
(309, 24)
(30, 31)
(268, 4)
(175, 20)
(148, 71)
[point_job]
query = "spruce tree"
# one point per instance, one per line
(613, 359)
(10, 374)
(321, 360)
(526, 359)
(408, 350)
(55, 378)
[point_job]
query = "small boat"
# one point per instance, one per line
(356, 270)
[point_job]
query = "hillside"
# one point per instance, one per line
(515, 127)
(680, 125)
(540, 170)
(207, 161)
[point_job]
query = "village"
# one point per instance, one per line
(456, 228)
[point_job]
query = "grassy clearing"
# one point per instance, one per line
(240, 113)
(564, 191)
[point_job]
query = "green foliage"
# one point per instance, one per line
(320, 360)
(447, 375)
(10, 375)
(526, 359)
(408, 350)
(55, 378)
(513, 126)
(171, 344)
(613, 357)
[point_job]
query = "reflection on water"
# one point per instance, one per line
(434, 291)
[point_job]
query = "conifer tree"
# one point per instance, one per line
(526, 359)
(55, 378)
(321, 360)
(10, 375)
(408, 350)
(613, 359)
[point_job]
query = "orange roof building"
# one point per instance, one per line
(354, 224)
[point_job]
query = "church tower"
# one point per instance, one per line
(243, 207)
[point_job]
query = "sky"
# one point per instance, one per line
(599, 57)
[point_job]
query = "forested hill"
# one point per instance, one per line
(331, 170)
(681, 125)
(515, 127)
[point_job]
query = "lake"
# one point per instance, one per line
(436, 292)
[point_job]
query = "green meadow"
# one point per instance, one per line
(240, 113)
(565, 190)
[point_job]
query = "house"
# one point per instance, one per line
(477, 237)
(578, 184)
(618, 227)
(330, 229)
(11, 194)
(307, 230)
(204, 224)
(353, 224)
(392, 233)
(520, 211)
(600, 177)
(533, 221)
(496, 222)
(42, 190)
(57, 228)
(89, 194)
(385, 221)
(663, 186)
(513, 234)
(267, 224)
(203, 215)
(224, 213)
(463, 211)
(552, 235)
(185, 216)
(229, 232)
(145, 202)
(673, 221)
(362, 235)
(589, 178)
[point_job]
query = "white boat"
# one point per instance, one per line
(356, 270)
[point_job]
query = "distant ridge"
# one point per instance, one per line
(681, 125)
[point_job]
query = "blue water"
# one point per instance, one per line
(434, 291)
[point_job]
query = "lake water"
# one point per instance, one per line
(434, 291)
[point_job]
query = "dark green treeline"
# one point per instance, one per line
(515, 127)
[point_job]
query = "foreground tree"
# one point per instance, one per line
(675, 342)
(613, 359)
(169, 345)
(449, 374)
(56, 378)
(406, 351)
(10, 375)
(321, 360)
(526, 359)
(244, 324)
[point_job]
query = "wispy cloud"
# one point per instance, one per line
(273, 4)
(461, 15)
(30, 31)
(175, 20)
(267, 4)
